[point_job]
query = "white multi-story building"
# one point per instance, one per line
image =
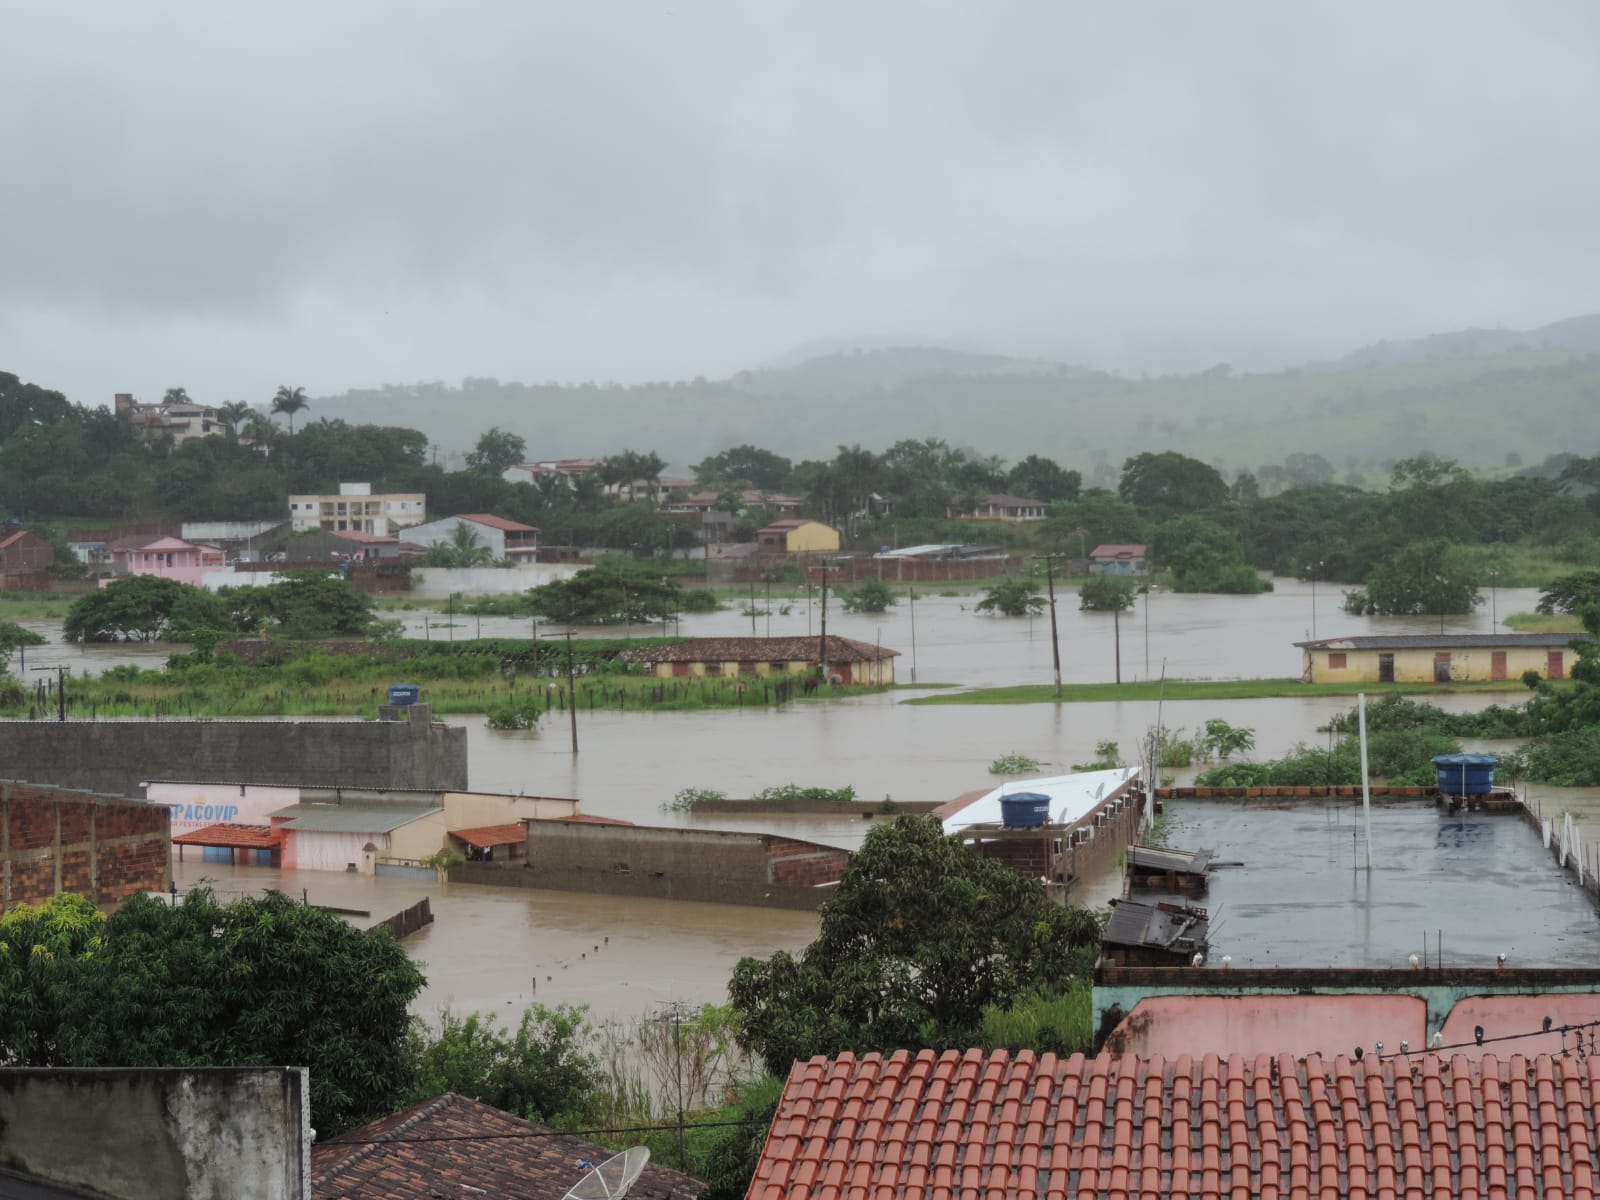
(355, 509)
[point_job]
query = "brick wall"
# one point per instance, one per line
(103, 847)
(805, 864)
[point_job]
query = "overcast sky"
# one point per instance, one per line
(232, 196)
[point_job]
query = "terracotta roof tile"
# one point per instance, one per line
(240, 837)
(1023, 1128)
(485, 836)
(454, 1146)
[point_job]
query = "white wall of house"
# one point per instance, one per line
(439, 583)
(196, 805)
(443, 531)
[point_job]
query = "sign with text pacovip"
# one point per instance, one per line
(198, 805)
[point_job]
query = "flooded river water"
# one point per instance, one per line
(497, 950)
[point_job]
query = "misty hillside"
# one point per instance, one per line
(1574, 333)
(1527, 400)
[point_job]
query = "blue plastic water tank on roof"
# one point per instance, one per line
(1024, 810)
(404, 693)
(1465, 774)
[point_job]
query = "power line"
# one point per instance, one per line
(1478, 1041)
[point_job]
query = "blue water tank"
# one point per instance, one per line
(404, 693)
(1024, 810)
(1465, 774)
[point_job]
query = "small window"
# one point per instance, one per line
(1336, 660)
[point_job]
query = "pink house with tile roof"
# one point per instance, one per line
(166, 557)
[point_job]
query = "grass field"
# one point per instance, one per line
(1196, 689)
(1542, 623)
(33, 606)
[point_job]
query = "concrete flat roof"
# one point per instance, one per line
(1072, 797)
(353, 818)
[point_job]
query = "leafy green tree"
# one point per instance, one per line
(40, 948)
(1204, 557)
(920, 936)
(1043, 479)
(541, 1070)
(1570, 593)
(1222, 740)
(288, 401)
(307, 603)
(612, 591)
(13, 636)
(1426, 578)
(744, 465)
(873, 596)
(1169, 484)
(254, 983)
(135, 608)
(24, 404)
(1012, 598)
(1107, 593)
(497, 452)
(1095, 517)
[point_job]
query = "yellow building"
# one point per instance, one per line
(848, 661)
(797, 536)
(1436, 657)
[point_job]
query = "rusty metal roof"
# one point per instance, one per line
(1161, 925)
(758, 649)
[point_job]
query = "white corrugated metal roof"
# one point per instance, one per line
(1072, 797)
(353, 818)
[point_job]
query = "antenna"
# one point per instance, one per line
(612, 1178)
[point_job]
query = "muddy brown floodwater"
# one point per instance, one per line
(496, 950)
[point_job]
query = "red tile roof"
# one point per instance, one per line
(494, 522)
(456, 1147)
(1118, 550)
(953, 1126)
(485, 836)
(240, 837)
(15, 537)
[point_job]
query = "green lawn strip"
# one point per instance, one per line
(1544, 623)
(1196, 689)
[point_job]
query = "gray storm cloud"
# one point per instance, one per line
(231, 196)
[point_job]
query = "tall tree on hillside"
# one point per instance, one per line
(497, 452)
(288, 401)
(1043, 479)
(258, 427)
(176, 395)
(744, 465)
(1169, 484)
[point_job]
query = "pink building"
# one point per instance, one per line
(168, 557)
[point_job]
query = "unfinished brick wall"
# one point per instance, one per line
(805, 864)
(103, 847)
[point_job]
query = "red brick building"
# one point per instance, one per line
(102, 847)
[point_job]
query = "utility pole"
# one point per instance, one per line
(1116, 621)
(822, 639)
(572, 696)
(912, 593)
(1055, 638)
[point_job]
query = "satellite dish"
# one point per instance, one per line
(612, 1178)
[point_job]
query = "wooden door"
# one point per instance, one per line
(1497, 664)
(1555, 665)
(1385, 668)
(1441, 667)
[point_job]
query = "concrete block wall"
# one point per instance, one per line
(103, 847)
(204, 1133)
(669, 864)
(117, 757)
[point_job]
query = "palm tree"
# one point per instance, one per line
(176, 395)
(470, 552)
(232, 414)
(258, 427)
(288, 401)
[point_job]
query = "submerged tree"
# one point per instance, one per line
(1012, 598)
